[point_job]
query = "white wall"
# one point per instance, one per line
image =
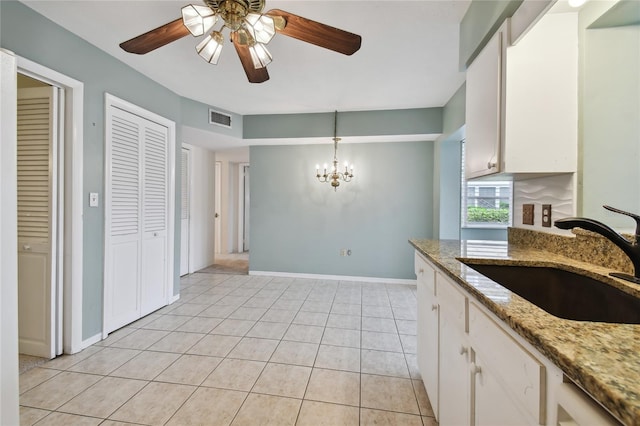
(8, 242)
(202, 228)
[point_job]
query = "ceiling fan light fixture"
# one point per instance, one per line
(260, 55)
(210, 48)
(198, 19)
(261, 27)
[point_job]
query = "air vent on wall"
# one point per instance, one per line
(219, 119)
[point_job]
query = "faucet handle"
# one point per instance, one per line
(632, 215)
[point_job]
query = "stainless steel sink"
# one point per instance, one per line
(565, 294)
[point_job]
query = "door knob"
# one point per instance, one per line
(216, 215)
(26, 247)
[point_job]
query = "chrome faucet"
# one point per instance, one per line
(630, 248)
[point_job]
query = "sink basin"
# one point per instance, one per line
(566, 294)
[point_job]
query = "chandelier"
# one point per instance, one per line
(333, 175)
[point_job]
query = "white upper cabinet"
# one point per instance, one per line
(522, 101)
(483, 119)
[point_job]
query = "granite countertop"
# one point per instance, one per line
(602, 358)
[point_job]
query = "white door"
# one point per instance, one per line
(137, 206)
(184, 221)
(245, 218)
(155, 198)
(122, 204)
(218, 206)
(37, 221)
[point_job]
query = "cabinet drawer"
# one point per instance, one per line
(452, 301)
(516, 369)
(426, 273)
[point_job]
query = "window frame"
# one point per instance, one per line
(464, 199)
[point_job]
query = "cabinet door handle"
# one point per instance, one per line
(421, 271)
(434, 307)
(464, 350)
(491, 165)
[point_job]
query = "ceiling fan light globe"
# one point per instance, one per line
(262, 27)
(260, 55)
(198, 19)
(210, 47)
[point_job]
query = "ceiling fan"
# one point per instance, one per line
(250, 31)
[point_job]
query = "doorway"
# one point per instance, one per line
(70, 203)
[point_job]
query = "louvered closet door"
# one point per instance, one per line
(155, 218)
(36, 225)
(137, 203)
(124, 205)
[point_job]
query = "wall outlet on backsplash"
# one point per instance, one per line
(527, 214)
(546, 215)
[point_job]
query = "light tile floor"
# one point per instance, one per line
(246, 350)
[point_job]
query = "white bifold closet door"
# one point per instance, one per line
(136, 218)
(37, 221)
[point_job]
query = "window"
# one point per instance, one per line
(485, 204)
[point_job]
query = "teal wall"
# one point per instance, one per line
(355, 123)
(34, 37)
(299, 225)
(196, 114)
(448, 168)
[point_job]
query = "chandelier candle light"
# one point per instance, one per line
(333, 175)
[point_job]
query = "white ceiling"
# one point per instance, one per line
(408, 59)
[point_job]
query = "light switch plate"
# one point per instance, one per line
(527, 214)
(93, 199)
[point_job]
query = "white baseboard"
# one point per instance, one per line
(334, 277)
(91, 340)
(174, 298)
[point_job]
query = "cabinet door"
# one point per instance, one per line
(453, 401)
(483, 111)
(491, 403)
(427, 337)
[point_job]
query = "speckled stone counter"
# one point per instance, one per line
(602, 358)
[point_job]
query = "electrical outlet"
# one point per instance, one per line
(527, 214)
(546, 215)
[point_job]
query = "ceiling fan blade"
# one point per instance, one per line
(255, 75)
(156, 38)
(319, 34)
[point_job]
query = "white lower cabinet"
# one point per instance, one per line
(454, 373)
(474, 371)
(427, 341)
(492, 404)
